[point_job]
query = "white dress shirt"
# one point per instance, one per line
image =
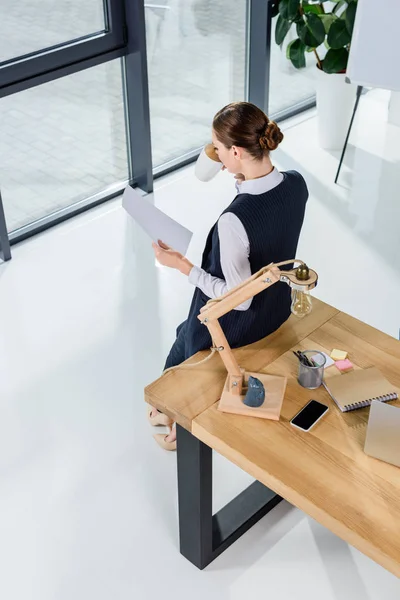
(234, 245)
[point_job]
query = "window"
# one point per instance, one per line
(62, 142)
(69, 112)
(289, 86)
(27, 26)
(196, 52)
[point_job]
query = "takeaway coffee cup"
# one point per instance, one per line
(208, 164)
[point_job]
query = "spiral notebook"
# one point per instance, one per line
(358, 388)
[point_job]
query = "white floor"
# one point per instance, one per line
(88, 501)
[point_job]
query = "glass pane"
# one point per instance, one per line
(28, 26)
(196, 53)
(289, 86)
(61, 143)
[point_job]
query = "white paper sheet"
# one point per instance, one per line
(328, 360)
(156, 223)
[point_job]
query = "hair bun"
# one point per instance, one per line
(271, 137)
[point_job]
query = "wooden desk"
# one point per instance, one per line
(324, 472)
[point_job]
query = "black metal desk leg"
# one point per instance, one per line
(358, 95)
(204, 536)
(195, 498)
(5, 251)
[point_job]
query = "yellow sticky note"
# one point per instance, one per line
(338, 354)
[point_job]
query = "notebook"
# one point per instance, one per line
(358, 388)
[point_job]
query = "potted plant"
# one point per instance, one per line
(324, 28)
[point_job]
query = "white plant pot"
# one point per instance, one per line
(335, 102)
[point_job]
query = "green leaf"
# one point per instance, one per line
(301, 29)
(350, 16)
(338, 35)
(296, 53)
(338, 6)
(275, 9)
(316, 27)
(328, 20)
(298, 18)
(335, 61)
(312, 31)
(313, 8)
(281, 29)
(288, 9)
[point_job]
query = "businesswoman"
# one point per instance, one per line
(261, 225)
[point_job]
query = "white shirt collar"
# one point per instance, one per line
(260, 185)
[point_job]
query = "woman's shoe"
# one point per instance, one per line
(161, 440)
(158, 419)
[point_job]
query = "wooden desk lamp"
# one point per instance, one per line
(301, 280)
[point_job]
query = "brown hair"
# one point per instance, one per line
(244, 125)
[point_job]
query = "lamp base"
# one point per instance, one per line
(274, 386)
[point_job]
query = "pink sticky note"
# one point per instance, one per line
(344, 365)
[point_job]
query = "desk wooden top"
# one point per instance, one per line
(323, 472)
(183, 394)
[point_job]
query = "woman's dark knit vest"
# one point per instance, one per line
(273, 222)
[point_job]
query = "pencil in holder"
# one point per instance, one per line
(311, 377)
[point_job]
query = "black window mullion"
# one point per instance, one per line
(259, 51)
(24, 69)
(69, 69)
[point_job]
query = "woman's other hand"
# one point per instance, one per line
(171, 258)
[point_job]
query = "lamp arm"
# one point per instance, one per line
(258, 282)
(242, 284)
(252, 286)
(217, 309)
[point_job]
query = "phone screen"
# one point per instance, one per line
(309, 414)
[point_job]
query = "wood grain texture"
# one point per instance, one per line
(233, 298)
(323, 472)
(183, 394)
(227, 356)
(274, 387)
(342, 490)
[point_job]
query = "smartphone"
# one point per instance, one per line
(310, 414)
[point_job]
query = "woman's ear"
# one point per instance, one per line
(237, 152)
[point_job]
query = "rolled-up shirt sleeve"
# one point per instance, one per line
(234, 256)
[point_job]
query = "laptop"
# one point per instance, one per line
(383, 433)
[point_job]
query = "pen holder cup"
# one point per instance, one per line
(312, 377)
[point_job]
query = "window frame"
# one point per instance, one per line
(124, 37)
(67, 57)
